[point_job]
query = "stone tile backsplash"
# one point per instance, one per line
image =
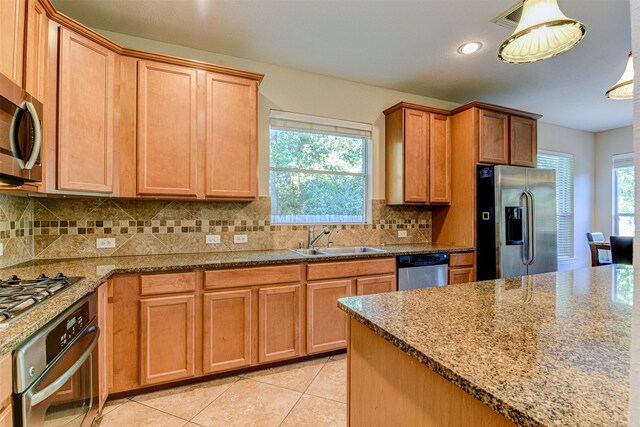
(66, 228)
(16, 232)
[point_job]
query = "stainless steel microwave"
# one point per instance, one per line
(20, 135)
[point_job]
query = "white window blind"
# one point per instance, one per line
(623, 195)
(563, 165)
(318, 169)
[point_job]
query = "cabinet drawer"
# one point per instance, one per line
(217, 279)
(6, 382)
(336, 270)
(167, 283)
(462, 259)
(6, 415)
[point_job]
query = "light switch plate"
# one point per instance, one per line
(212, 239)
(240, 238)
(1, 249)
(402, 233)
(106, 243)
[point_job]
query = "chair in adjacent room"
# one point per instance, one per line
(600, 253)
(621, 249)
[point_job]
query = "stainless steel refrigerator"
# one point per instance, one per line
(517, 231)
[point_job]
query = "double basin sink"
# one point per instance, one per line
(346, 250)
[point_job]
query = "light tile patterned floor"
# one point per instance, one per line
(310, 393)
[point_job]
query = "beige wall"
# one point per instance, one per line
(608, 144)
(301, 92)
(582, 145)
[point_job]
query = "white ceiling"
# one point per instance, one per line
(397, 44)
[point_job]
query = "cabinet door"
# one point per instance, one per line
(167, 333)
(36, 49)
(226, 330)
(103, 344)
(231, 137)
(494, 137)
(416, 156)
(376, 285)
(167, 130)
(440, 160)
(12, 13)
(523, 142)
(326, 323)
(279, 323)
(6, 415)
(85, 115)
(461, 275)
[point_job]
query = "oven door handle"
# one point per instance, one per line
(52, 388)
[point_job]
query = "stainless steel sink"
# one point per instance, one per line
(308, 252)
(347, 250)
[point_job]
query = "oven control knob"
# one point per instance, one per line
(32, 371)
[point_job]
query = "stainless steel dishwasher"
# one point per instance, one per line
(422, 271)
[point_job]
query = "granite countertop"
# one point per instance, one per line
(544, 350)
(97, 270)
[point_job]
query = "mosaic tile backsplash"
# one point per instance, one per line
(68, 228)
(16, 232)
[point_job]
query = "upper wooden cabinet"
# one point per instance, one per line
(85, 114)
(506, 139)
(418, 155)
(12, 24)
(35, 72)
(167, 130)
(231, 137)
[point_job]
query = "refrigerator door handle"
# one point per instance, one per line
(524, 253)
(531, 227)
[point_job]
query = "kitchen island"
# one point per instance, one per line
(544, 350)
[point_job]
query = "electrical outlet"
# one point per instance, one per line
(1, 249)
(107, 243)
(402, 233)
(240, 238)
(101, 270)
(212, 239)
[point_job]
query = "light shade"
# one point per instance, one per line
(623, 89)
(543, 31)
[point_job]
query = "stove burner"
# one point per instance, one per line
(18, 296)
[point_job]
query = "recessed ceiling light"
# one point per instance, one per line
(469, 48)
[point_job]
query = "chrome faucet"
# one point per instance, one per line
(313, 240)
(329, 241)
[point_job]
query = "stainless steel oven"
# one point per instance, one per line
(20, 135)
(56, 371)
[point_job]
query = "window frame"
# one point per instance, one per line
(615, 215)
(312, 121)
(570, 258)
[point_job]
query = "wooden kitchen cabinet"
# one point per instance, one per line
(167, 130)
(105, 344)
(85, 114)
(493, 142)
(6, 388)
(523, 142)
(231, 142)
(12, 25)
(461, 268)
(376, 285)
(227, 330)
(418, 155)
(37, 35)
(280, 323)
(167, 338)
(326, 323)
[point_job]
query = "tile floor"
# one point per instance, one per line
(310, 393)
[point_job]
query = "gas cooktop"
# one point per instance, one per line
(18, 296)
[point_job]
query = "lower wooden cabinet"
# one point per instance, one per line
(376, 285)
(279, 323)
(226, 330)
(461, 269)
(103, 344)
(167, 338)
(6, 416)
(326, 323)
(6, 387)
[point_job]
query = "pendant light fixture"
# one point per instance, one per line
(543, 31)
(623, 89)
